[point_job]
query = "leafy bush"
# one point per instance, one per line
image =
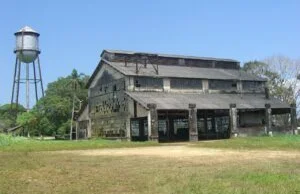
(6, 140)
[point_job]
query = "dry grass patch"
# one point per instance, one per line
(178, 169)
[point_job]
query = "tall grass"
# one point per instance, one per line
(7, 140)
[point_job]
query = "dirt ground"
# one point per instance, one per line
(186, 152)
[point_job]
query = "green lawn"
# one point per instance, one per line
(20, 144)
(282, 142)
(26, 167)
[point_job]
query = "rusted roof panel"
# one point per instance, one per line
(183, 72)
(169, 55)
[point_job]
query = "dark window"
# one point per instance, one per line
(115, 87)
(180, 83)
(148, 82)
(253, 85)
(137, 84)
(222, 84)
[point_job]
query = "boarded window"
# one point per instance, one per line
(253, 85)
(177, 83)
(222, 84)
(148, 82)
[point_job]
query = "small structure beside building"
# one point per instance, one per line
(145, 96)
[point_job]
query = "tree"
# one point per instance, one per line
(8, 117)
(29, 122)
(281, 73)
(53, 112)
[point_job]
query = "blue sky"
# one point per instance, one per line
(73, 33)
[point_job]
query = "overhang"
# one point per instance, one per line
(179, 101)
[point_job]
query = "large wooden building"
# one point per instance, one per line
(146, 96)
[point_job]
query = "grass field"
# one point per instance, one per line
(282, 142)
(242, 165)
(20, 144)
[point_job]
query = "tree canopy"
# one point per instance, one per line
(281, 73)
(52, 114)
(8, 117)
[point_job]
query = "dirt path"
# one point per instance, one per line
(187, 152)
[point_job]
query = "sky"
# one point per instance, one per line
(74, 33)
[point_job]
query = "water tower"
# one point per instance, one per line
(27, 53)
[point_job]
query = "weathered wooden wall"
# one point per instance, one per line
(108, 104)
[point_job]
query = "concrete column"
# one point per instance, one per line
(167, 84)
(149, 122)
(294, 119)
(153, 135)
(205, 86)
(233, 120)
(268, 119)
(128, 133)
(193, 132)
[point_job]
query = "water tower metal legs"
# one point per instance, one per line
(35, 86)
(17, 80)
(14, 84)
(18, 85)
(27, 87)
(41, 80)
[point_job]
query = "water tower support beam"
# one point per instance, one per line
(18, 84)
(35, 82)
(14, 84)
(41, 80)
(27, 86)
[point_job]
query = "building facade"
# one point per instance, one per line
(145, 96)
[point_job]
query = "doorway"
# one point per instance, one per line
(173, 125)
(213, 124)
(139, 129)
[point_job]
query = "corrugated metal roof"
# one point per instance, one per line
(168, 55)
(183, 72)
(173, 101)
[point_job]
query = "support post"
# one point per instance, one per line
(294, 119)
(40, 72)
(193, 132)
(27, 87)
(153, 136)
(268, 119)
(76, 130)
(35, 83)
(14, 84)
(233, 120)
(71, 126)
(18, 86)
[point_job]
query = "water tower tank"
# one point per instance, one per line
(27, 44)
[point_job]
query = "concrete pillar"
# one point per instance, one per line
(205, 86)
(128, 128)
(149, 122)
(193, 131)
(167, 86)
(294, 119)
(268, 119)
(153, 135)
(233, 120)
